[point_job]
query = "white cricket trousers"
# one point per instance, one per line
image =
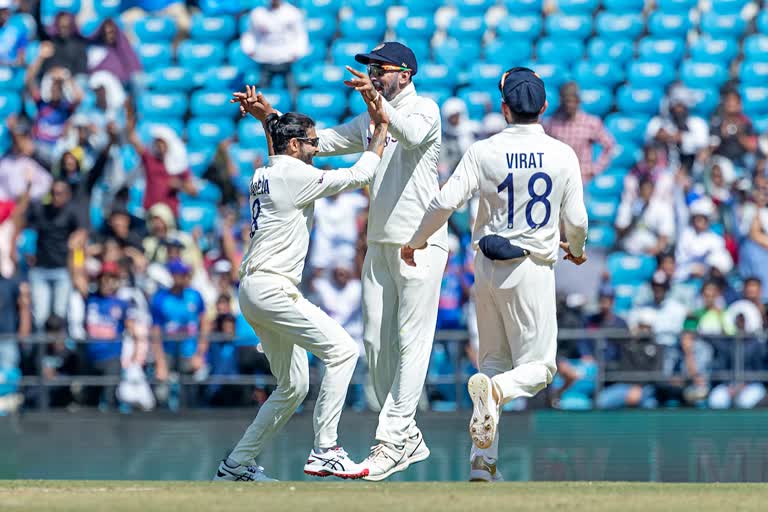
(288, 325)
(517, 326)
(400, 314)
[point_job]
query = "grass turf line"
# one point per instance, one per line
(146, 496)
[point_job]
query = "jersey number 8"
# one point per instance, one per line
(255, 211)
(508, 184)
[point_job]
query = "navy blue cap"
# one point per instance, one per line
(523, 91)
(392, 53)
(178, 267)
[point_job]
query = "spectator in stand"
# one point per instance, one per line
(712, 323)
(651, 167)
(753, 252)
(61, 360)
(15, 321)
(58, 225)
(223, 171)
(493, 123)
(111, 51)
(110, 100)
(337, 226)
(581, 131)
(56, 99)
(670, 316)
(13, 39)
(605, 318)
(459, 132)
(644, 225)
(733, 134)
(67, 47)
(178, 313)
(276, 38)
(339, 294)
(698, 246)
(135, 10)
(165, 166)
(684, 136)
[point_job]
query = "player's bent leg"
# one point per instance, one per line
(485, 410)
(524, 381)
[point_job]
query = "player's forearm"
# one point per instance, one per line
(378, 139)
(576, 236)
(432, 221)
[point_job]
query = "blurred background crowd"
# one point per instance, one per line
(124, 190)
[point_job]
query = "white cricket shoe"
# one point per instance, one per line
(416, 450)
(485, 411)
(483, 471)
(240, 473)
(334, 462)
(384, 460)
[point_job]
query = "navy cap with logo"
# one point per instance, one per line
(523, 91)
(393, 53)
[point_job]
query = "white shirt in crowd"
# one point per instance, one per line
(275, 36)
(282, 202)
(342, 304)
(336, 229)
(528, 181)
(748, 216)
(406, 179)
(655, 221)
(693, 140)
(697, 249)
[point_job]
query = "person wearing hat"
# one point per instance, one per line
(699, 248)
(398, 333)
(528, 184)
(13, 38)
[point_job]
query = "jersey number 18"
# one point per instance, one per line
(508, 184)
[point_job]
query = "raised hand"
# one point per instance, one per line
(252, 102)
(362, 84)
(376, 111)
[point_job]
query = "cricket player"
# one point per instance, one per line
(282, 205)
(528, 183)
(399, 302)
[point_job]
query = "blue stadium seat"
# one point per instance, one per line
(364, 27)
(624, 298)
(628, 129)
(723, 26)
(317, 54)
(581, 7)
(418, 27)
(421, 47)
(676, 6)
(695, 74)
(322, 5)
(601, 236)
(625, 155)
(437, 95)
(212, 104)
(5, 139)
(553, 100)
(222, 77)
(467, 8)
(755, 47)
(330, 76)
(198, 56)
(107, 8)
(216, 28)
(760, 124)
(367, 6)
(567, 27)
(558, 51)
(755, 100)
(154, 55)
(612, 26)
(11, 79)
(421, 7)
(145, 127)
(608, 186)
(208, 131)
(482, 75)
(343, 51)
(170, 79)
(155, 29)
(602, 210)
(25, 22)
(321, 28)
(199, 159)
(457, 54)
(162, 106)
(704, 101)
(619, 51)
(524, 7)
(553, 75)
(279, 99)
(650, 74)
(762, 22)
(197, 214)
(754, 73)
(237, 57)
(436, 76)
(224, 7)
(507, 52)
(479, 102)
(207, 192)
(245, 159)
(596, 101)
(462, 29)
(669, 25)
(250, 134)
(589, 73)
(728, 6)
(322, 103)
(714, 50)
(49, 9)
(657, 49)
(513, 28)
(623, 5)
(628, 269)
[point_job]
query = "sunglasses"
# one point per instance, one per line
(382, 69)
(312, 141)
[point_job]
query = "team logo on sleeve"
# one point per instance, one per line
(322, 177)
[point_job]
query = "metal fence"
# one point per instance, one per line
(454, 340)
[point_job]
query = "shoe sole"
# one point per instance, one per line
(321, 474)
(352, 476)
(482, 426)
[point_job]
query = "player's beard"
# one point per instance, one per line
(306, 157)
(389, 91)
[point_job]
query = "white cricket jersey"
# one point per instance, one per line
(528, 182)
(282, 202)
(406, 180)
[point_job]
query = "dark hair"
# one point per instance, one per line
(518, 118)
(753, 279)
(286, 127)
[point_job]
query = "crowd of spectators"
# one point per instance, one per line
(82, 257)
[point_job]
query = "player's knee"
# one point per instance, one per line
(298, 389)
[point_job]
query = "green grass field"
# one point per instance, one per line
(145, 496)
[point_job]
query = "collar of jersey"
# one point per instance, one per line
(404, 95)
(524, 128)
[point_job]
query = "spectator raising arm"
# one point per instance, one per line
(130, 128)
(30, 77)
